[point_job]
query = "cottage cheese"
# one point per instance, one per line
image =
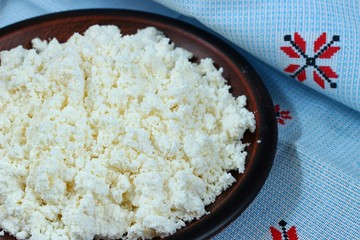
(113, 136)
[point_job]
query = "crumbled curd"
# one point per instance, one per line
(113, 136)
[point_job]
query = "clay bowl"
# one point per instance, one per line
(239, 74)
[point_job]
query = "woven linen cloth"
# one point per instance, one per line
(308, 55)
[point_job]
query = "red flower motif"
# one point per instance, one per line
(281, 115)
(322, 50)
(284, 234)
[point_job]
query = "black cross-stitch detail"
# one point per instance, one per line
(321, 51)
(311, 61)
(299, 71)
(297, 48)
(332, 84)
(287, 38)
(282, 223)
(336, 38)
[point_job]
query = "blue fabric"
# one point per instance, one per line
(314, 184)
(259, 27)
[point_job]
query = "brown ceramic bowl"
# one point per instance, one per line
(239, 74)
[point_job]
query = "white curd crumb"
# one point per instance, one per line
(111, 136)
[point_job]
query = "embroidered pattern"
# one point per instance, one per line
(282, 115)
(322, 50)
(284, 234)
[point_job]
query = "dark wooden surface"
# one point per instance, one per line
(239, 74)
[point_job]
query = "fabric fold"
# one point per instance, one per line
(310, 41)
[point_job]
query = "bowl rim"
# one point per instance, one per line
(254, 177)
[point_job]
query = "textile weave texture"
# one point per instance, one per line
(308, 55)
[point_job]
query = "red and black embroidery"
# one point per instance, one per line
(284, 234)
(322, 50)
(282, 115)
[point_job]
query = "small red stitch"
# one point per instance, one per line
(301, 76)
(300, 42)
(319, 42)
(292, 68)
(276, 234)
(290, 52)
(329, 52)
(318, 80)
(282, 115)
(292, 234)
